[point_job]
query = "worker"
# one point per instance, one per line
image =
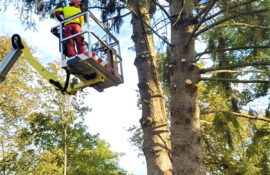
(72, 26)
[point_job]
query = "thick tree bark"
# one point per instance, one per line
(187, 156)
(156, 146)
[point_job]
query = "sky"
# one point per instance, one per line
(115, 109)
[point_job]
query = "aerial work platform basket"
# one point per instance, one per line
(102, 62)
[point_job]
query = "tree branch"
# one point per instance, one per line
(233, 48)
(134, 12)
(116, 17)
(234, 71)
(101, 7)
(180, 13)
(229, 8)
(202, 71)
(163, 9)
(203, 7)
(207, 122)
(251, 117)
(243, 25)
(234, 80)
(229, 18)
(208, 8)
(237, 114)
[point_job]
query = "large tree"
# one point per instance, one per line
(190, 19)
(157, 144)
(16, 101)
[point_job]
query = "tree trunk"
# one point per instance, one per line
(65, 148)
(223, 61)
(156, 146)
(4, 155)
(187, 156)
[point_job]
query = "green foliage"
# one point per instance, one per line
(87, 154)
(111, 10)
(14, 101)
(244, 152)
(48, 162)
(136, 138)
(163, 68)
(37, 123)
(98, 160)
(232, 145)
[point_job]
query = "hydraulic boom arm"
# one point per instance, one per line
(18, 47)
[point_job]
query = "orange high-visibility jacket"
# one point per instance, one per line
(68, 12)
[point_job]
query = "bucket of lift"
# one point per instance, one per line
(101, 66)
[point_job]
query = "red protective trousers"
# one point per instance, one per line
(71, 29)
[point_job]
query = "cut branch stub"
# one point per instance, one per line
(146, 122)
(195, 64)
(188, 82)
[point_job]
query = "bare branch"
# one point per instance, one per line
(202, 71)
(163, 9)
(117, 16)
(101, 7)
(238, 114)
(207, 122)
(229, 8)
(128, 6)
(234, 71)
(208, 8)
(234, 48)
(234, 80)
(180, 13)
(161, 21)
(251, 117)
(134, 12)
(203, 7)
(236, 15)
(243, 25)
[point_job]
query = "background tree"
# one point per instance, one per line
(16, 102)
(233, 98)
(43, 137)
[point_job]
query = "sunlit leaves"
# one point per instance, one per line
(37, 122)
